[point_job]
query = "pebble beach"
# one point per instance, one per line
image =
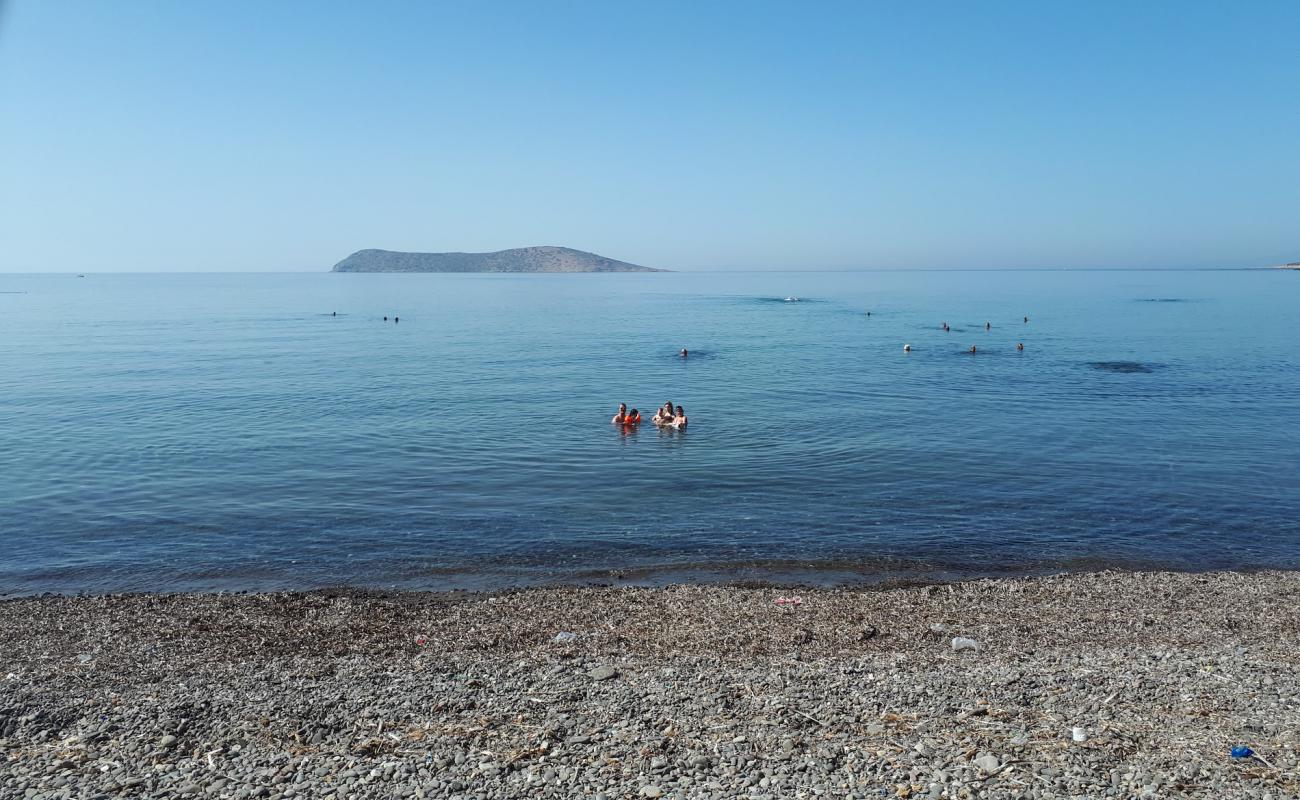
(1109, 684)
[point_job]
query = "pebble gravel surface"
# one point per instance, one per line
(1106, 684)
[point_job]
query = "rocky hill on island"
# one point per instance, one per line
(523, 259)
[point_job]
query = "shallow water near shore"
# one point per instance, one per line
(197, 432)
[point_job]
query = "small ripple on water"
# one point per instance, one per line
(1124, 367)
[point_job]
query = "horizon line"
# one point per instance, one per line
(666, 271)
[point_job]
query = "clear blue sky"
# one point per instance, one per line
(165, 135)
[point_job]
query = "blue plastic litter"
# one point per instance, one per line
(1242, 751)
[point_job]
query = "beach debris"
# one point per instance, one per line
(962, 643)
(1079, 734)
(85, 658)
(789, 601)
(988, 763)
(564, 637)
(1242, 752)
(420, 640)
(603, 673)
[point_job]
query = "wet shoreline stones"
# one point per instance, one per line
(678, 692)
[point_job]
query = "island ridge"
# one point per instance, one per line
(523, 259)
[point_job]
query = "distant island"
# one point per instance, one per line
(522, 259)
(1292, 265)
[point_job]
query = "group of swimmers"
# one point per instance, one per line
(943, 326)
(666, 417)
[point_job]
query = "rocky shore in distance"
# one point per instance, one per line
(1094, 685)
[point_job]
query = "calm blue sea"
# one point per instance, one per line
(167, 432)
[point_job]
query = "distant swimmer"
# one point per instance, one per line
(988, 325)
(972, 348)
(944, 326)
(1020, 345)
(907, 348)
(792, 299)
(683, 354)
(1026, 319)
(385, 319)
(397, 319)
(868, 313)
(621, 416)
(664, 416)
(632, 419)
(334, 313)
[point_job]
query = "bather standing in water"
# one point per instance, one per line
(621, 416)
(679, 420)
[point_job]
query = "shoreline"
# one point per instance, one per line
(679, 691)
(830, 574)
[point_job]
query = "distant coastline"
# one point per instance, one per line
(519, 260)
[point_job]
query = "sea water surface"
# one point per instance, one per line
(254, 431)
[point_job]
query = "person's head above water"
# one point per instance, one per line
(680, 411)
(683, 354)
